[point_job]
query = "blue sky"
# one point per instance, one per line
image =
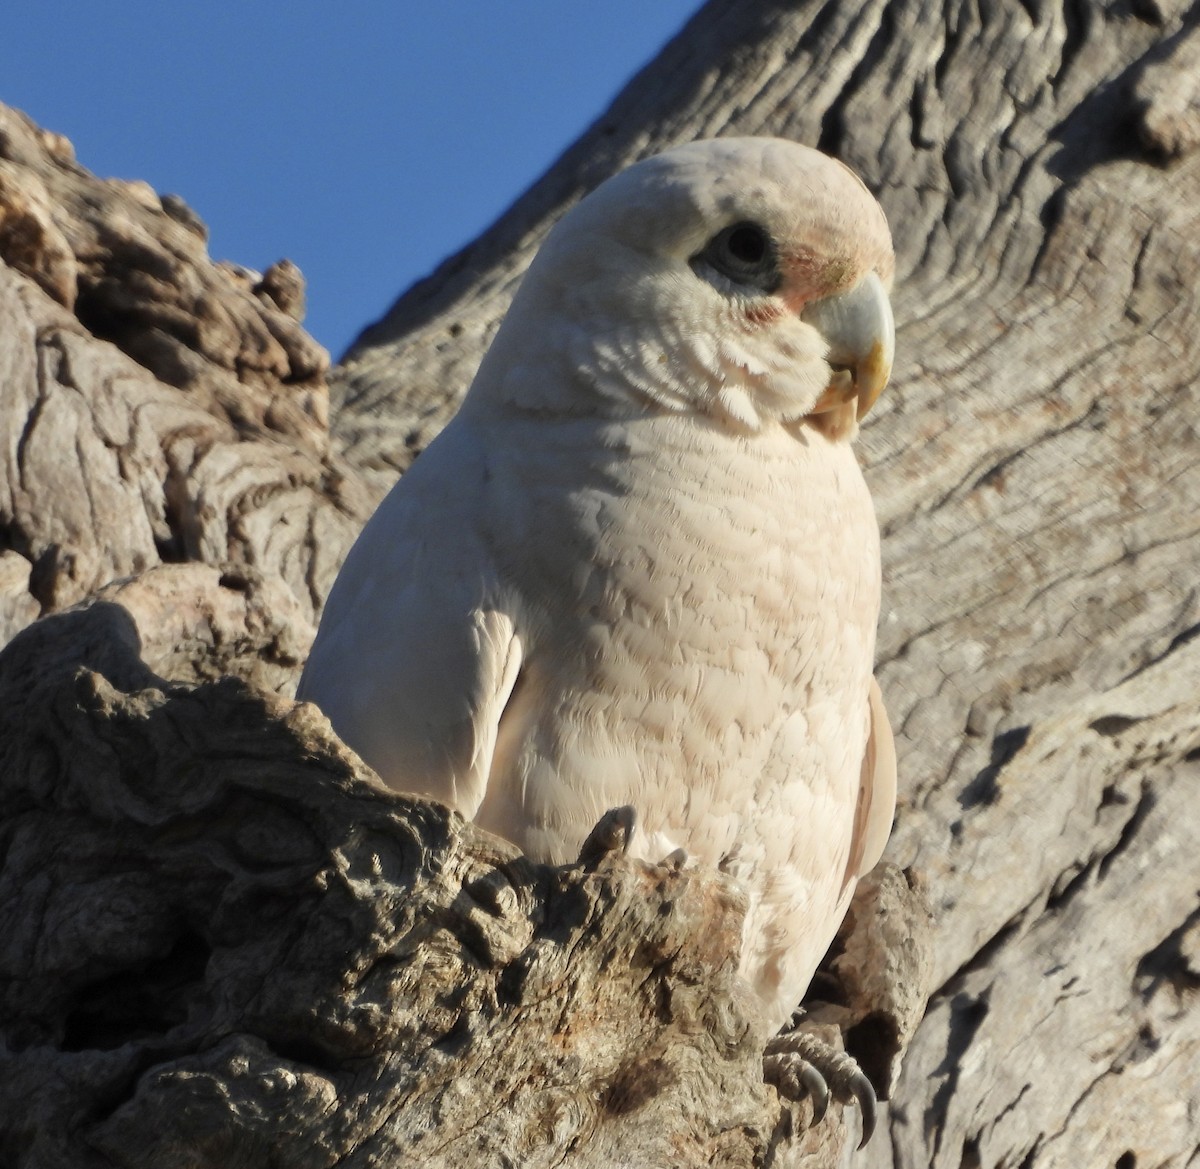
(364, 140)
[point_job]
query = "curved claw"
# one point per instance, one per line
(864, 1093)
(795, 1078)
(798, 1061)
(675, 860)
(814, 1084)
(611, 835)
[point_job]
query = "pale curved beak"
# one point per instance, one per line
(861, 333)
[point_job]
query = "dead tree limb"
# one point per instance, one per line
(1035, 466)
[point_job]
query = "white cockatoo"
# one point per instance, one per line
(641, 566)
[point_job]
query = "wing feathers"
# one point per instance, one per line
(876, 793)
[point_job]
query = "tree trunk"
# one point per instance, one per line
(1035, 466)
(226, 944)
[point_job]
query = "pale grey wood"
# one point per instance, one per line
(154, 406)
(225, 942)
(185, 498)
(1035, 466)
(1036, 470)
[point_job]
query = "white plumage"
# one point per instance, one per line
(641, 565)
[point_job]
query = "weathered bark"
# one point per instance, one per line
(247, 951)
(167, 834)
(225, 942)
(109, 308)
(1034, 465)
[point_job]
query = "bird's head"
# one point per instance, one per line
(745, 279)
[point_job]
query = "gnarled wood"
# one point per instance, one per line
(168, 836)
(106, 467)
(227, 942)
(1035, 466)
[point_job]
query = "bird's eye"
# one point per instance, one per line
(743, 253)
(747, 244)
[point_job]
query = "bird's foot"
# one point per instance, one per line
(675, 860)
(611, 835)
(799, 1065)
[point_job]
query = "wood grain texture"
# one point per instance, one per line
(156, 407)
(1035, 466)
(203, 961)
(225, 942)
